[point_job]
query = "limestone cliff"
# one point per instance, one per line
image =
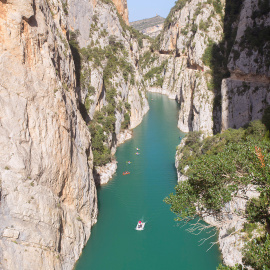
(48, 196)
(151, 27)
(122, 8)
(187, 33)
(50, 89)
(246, 93)
(111, 93)
(218, 70)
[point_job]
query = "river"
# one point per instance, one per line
(114, 243)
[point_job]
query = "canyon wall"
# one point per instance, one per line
(48, 195)
(186, 35)
(246, 93)
(218, 58)
(48, 200)
(218, 70)
(108, 75)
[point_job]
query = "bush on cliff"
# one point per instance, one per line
(217, 168)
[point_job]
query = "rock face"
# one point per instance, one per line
(48, 196)
(122, 8)
(151, 27)
(48, 200)
(193, 39)
(186, 78)
(246, 94)
(109, 78)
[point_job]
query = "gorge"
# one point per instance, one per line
(73, 83)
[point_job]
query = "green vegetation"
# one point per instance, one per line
(217, 6)
(99, 127)
(95, 55)
(116, 62)
(204, 25)
(156, 73)
(257, 38)
(65, 7)
(75, 50)
(217, 168)
(147, 59)
(155, 45)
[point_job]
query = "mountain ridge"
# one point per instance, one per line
(150, 26)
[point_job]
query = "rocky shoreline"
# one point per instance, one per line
(103, 174)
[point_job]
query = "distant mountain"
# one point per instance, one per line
(151, 27)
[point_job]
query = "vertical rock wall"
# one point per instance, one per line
(246, 94)
(242, 43)
(186, 78)
(206, 103)
(48, 196)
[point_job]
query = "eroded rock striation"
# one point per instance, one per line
(48, 195)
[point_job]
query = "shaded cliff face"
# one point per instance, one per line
(246, 93)
(48, 195)
(47, 191)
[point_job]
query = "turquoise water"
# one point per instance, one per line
(114, 243)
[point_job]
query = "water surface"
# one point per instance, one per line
(114, 243)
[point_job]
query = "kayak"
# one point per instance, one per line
(140, 226)
(125, 173)
(137, 153)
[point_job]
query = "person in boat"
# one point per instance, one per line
(140, 224)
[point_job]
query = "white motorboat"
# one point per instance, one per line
(140, 226)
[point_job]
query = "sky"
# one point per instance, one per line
(144, 9)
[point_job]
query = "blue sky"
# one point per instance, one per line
(143, 9)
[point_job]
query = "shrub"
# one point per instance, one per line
(126, 121)
(218, 166)
(257, 253)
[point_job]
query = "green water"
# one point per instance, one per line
(114, 243)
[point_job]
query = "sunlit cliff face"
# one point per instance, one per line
(122, 8)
